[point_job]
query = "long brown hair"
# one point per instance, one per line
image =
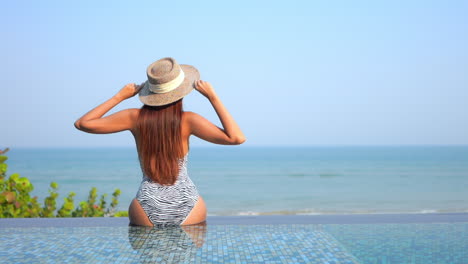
(160, 141)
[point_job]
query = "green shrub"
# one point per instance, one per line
(16, 201)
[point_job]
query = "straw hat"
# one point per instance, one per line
(167, 82)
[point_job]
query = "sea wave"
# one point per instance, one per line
(315, 212)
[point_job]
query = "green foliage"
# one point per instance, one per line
(67, 208)
(90, 208)
(49, 203)
(121, 214)
(15, 200)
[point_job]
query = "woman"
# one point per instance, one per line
(161, 130)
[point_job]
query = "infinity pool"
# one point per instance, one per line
(431, 238)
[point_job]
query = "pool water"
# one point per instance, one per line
(266, 243)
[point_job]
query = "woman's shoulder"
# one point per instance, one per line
(188, 115)
(188, 120)
(133, 112)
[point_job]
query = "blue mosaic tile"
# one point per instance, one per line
(288, 243)
(404, 243)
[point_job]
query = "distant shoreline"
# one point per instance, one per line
(435, 218)
(234, 149)
(285, 212)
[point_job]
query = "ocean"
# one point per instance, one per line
(239, 180)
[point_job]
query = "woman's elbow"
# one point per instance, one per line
(238, 141)
(78, 124)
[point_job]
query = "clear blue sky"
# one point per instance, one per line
(290, 72)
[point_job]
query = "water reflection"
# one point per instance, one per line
(171, 244)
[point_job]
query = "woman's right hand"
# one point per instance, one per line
(205, 88)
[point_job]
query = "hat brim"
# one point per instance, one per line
(155, 99)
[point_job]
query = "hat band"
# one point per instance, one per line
(169, 86)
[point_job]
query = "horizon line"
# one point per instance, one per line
(247, 146)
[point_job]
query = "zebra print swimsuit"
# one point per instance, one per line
(168, 205)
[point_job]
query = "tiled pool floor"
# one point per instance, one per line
(444, 242)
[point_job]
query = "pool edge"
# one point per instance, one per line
(247, 220)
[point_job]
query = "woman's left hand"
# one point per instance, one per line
(129, 90)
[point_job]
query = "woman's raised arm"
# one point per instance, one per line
(93, 122)
(204, 129)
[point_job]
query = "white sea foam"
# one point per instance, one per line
(249, 213)
(312, 212)
(428, 211)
